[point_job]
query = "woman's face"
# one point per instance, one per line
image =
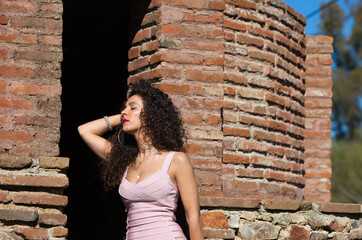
(131, 114)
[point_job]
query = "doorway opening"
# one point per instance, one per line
(94, 82)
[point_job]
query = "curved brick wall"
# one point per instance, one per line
(235, 69)
(263, 100)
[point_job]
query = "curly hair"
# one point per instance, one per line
(161, 122)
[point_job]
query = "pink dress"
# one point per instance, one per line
(151, 204)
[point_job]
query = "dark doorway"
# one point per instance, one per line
(94, 81)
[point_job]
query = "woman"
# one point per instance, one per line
(146, 160)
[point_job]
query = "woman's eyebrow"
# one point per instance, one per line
(132, 103)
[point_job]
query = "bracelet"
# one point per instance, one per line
(108, 123)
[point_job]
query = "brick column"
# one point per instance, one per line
(318, 110)
(179, 45)
(32, 177)
(236, 73)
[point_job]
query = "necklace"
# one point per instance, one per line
(136, 168)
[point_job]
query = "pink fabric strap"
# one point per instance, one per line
(167, 162)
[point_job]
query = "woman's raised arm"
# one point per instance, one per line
(93, 131)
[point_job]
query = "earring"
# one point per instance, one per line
(119, 140)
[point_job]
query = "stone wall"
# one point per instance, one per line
(32, 177)
(235, 218)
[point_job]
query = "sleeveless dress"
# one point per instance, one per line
(151, 204)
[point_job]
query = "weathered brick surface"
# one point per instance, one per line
(30, 89)
(318, 103)
(233, 62)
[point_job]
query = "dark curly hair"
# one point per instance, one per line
(161, 122)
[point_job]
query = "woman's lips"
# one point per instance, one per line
(124, 121)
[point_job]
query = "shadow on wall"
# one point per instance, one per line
(94, 81)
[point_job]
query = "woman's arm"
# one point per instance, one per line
(181, 168)
(92, 132)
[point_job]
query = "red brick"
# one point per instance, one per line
(251, 120)
(50, 40)
(28, 38)
(203, 75)
(16, 162)
(205, 191)
(192, 118)
(138, 63)
(16, 72)
(250, 93)
(236, 132)
(250, 15)
(263, 161)
(15, 214)
(4, 20)
(54, 219)
(150, 18)
(264, 135)
(32, 233)
(250, 173)
(182, 57)
(275, 99)
(237, 25)
(214, 220)
(203, 45)
(34, 180)
(230, 117)
(275, 175)
(247, 40)
(169, 29)
(217, 5)
(207, 165)
(48, 199)
(4, 196)
(298, 233)
(170, 88)
(237, 78)
(60, 232)
(14, 136)
(142, 35)
(39, 56)
(208, 178)
(33, 89)
(229, 90)
(236, 159)
(150, 46)
(193, 148)
(214, 61)
(133, 52)
(4, 53)
(213, 120)
(202, 18)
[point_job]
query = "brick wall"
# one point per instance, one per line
(235, 69)
(318, 110)
(32, 177)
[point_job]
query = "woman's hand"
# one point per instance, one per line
(183, 173)
(92, 132)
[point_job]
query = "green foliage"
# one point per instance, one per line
(347, 171)
(347, 77)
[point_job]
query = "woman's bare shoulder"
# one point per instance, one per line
(180, 159)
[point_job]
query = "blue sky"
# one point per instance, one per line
(306, 7)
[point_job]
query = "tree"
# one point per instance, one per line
(347, 77)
